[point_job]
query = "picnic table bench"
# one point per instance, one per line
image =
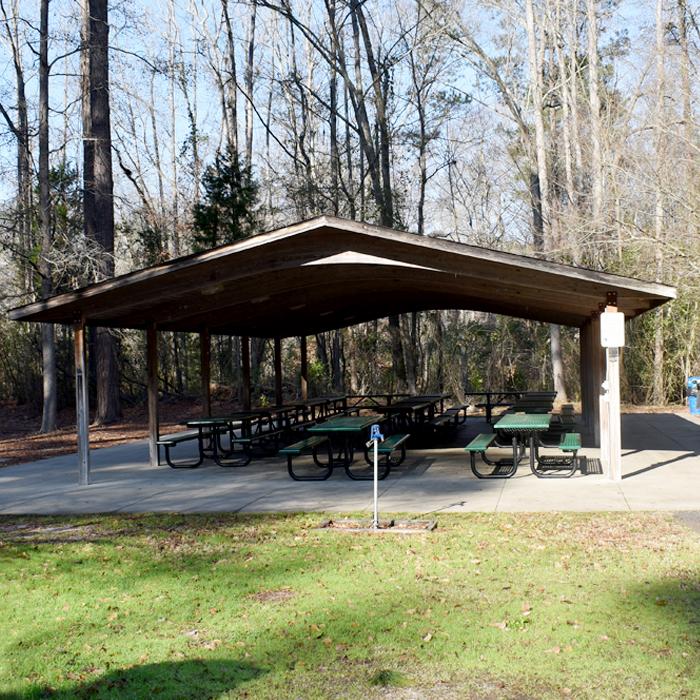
(311, 446)
(169, 441)
(392, 452)
(450, 418)
(503, 468)
(559, 466)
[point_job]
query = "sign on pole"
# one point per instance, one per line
(376, 437)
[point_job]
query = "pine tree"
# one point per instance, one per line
(227, 213)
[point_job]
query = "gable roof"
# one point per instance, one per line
(327, 273)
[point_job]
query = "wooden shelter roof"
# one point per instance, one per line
(327, 273)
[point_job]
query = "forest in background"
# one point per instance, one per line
(564, 129)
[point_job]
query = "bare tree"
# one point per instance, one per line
(48, 344)
(19, 128)
(98, 202)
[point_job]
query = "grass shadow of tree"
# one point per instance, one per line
(192, 678)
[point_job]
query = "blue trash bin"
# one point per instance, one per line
(693, 386)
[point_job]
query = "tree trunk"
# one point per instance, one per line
(336, 362)
(594, 103)
(249, 76)
(540, 237)
(229, 94)
(48, 345)
(658, 388)
(20, 130)
(98, 204)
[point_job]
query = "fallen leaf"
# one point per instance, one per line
(428, 637)
(499, 625)
(553, 650)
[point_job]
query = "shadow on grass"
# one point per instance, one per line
(194, 678)
(671, 608)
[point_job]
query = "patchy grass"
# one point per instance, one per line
(487, 606)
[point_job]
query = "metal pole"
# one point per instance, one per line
(375, 522)
(152, 384)
(81, 404)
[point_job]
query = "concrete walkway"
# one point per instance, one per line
(661, 466)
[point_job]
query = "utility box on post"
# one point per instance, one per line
(612, 329)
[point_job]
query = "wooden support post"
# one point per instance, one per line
(304, 368)
(278, 372)
(585, 373)
(598, 376)
(614, 425)
(82, 409)
(152, 388)
(610, 423)
(205, 370)
(592, 375)
(245, 361)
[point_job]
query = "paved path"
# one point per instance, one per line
(661, 466)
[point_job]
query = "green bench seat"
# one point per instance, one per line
(481, 442)
(560, 466)
(303, 445)
(175, 438)
(392, 452)
(442, 420)
(570, 442)
(392, 443)
(503, 468)
(168, 441)
(458, 413)
(309, 445)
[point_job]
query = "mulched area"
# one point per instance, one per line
(21, 441)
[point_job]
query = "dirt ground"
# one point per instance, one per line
(20, 440)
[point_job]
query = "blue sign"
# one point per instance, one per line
(375, 434)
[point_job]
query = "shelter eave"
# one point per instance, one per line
(328, 273)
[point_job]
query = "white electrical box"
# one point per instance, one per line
(612, 329)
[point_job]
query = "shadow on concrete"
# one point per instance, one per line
(193, 678)
(659, 431)
(656, 465)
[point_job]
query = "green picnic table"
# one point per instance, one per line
(346, 428)
(249, 425)
(522, 428)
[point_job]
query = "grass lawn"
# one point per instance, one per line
(486, 606)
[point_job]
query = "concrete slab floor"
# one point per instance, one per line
(661, 471)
